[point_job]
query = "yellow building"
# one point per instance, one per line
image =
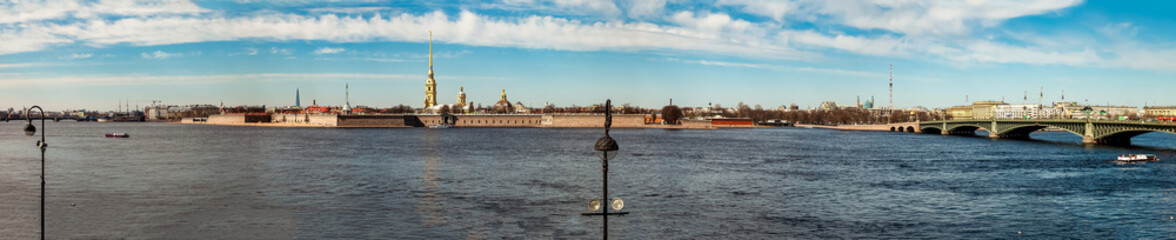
(960, 112)
(430, 85)
(1168, 111)
(985, 109)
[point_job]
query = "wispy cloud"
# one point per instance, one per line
(161, 55)
(347, 10)
(282, 51)
(78, 56)
(22, 65)
(126, 80)
(842, 72)
(328, 50)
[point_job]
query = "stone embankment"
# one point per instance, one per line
(893, 127)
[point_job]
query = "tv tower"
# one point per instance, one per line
(347, 98)
(891, 86)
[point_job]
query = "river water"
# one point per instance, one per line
(220, 182)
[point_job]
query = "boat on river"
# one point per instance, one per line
(117, 135)
(1137, 158)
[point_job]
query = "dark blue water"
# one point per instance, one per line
(201, 182)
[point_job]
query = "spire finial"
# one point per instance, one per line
(430, 50)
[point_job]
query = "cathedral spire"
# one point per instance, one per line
(431, 84)
(430, 53)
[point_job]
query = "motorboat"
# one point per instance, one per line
(1137, 158)
(117, 135)
(441, 126)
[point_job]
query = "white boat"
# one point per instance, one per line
(441, 126)
(1137, 158)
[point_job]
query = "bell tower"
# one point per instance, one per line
(461, 97)
(431, 84)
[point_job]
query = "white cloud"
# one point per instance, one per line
(714, 33)
(722, 63)
(933, 17)
(21, 65)
(604, 8)
(644, 8)
(880, 46)
(161, 55)
(282, 51)
(775, 9)
(125, 80)
(78, 56)
(348, 10)
(940, 30)
(24, 11)
(328, 50)
(842, 72)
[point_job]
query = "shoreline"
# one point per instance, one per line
(869, 128)
(297, 125)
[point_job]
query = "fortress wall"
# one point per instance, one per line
(372, 121)
(689, 123)
(226, 119)
(479, 120)
(328, 120)
(592, 120)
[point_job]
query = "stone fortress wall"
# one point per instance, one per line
(463, 120)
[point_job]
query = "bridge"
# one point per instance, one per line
(1092, 131)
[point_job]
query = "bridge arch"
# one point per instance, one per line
(1022, 131)
(930, 129)
(964, 129)
(1122, 136)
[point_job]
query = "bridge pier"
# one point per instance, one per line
(1125, 141)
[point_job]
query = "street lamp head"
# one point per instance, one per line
(30, 130)
(617, 204)
(607, 148)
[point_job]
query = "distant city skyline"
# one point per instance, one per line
(64, 54)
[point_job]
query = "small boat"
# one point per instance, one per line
(118, 135)
(441, 126)
(1137, 158)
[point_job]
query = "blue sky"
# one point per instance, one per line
(73, 54)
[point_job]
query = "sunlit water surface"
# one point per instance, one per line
(213, 182)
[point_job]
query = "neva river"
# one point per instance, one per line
(218, 182)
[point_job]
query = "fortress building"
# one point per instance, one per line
(431, 84)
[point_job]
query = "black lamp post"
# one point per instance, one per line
(607, 148)
(30, 130)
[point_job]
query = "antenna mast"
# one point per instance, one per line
(891, 86)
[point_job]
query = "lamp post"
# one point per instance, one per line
(30, 130)
(607, 148)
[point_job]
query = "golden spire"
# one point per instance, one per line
(430, 52)
(503, 94)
